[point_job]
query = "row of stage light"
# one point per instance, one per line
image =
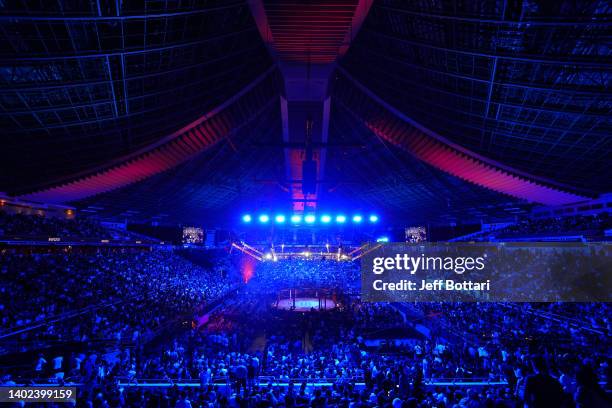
(309, 219)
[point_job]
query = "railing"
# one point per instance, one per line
(13, 331)
(46, 240)
(262, 381)
(309, 382)
(582, 325)
(8, 346)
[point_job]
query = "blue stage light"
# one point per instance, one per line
(373, 218)
(264, 218)
(382, 239)
(280, 219)
(296, 219)
(247, 218)
(357, 219)
(326, 219)
(340, 219)
(310, 219)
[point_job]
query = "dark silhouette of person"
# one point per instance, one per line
(589, 393)
(542, 390)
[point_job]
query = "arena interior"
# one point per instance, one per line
(190, 189)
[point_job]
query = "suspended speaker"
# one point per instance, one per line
(309, 177)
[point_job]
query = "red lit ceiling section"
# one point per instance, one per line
(311, 32)
(169, 152)
(392, 126)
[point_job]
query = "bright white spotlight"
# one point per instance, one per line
(326, 219)
(268, 256)
(296, 219)
(264, 218)
(340, 219)
(309, 219)
(357, 219)
(247, 218)
(373, 218)
(280, 219)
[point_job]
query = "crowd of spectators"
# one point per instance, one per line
(240, 351)
(41, 226)
(560, 224)
(529, 355)
(586, 226)
(300, 272)
(110, 294)
(246, 339)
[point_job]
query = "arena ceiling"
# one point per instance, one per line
(439, 110)
(526, 83)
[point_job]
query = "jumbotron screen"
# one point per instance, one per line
(416, 234)
(193, 235)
